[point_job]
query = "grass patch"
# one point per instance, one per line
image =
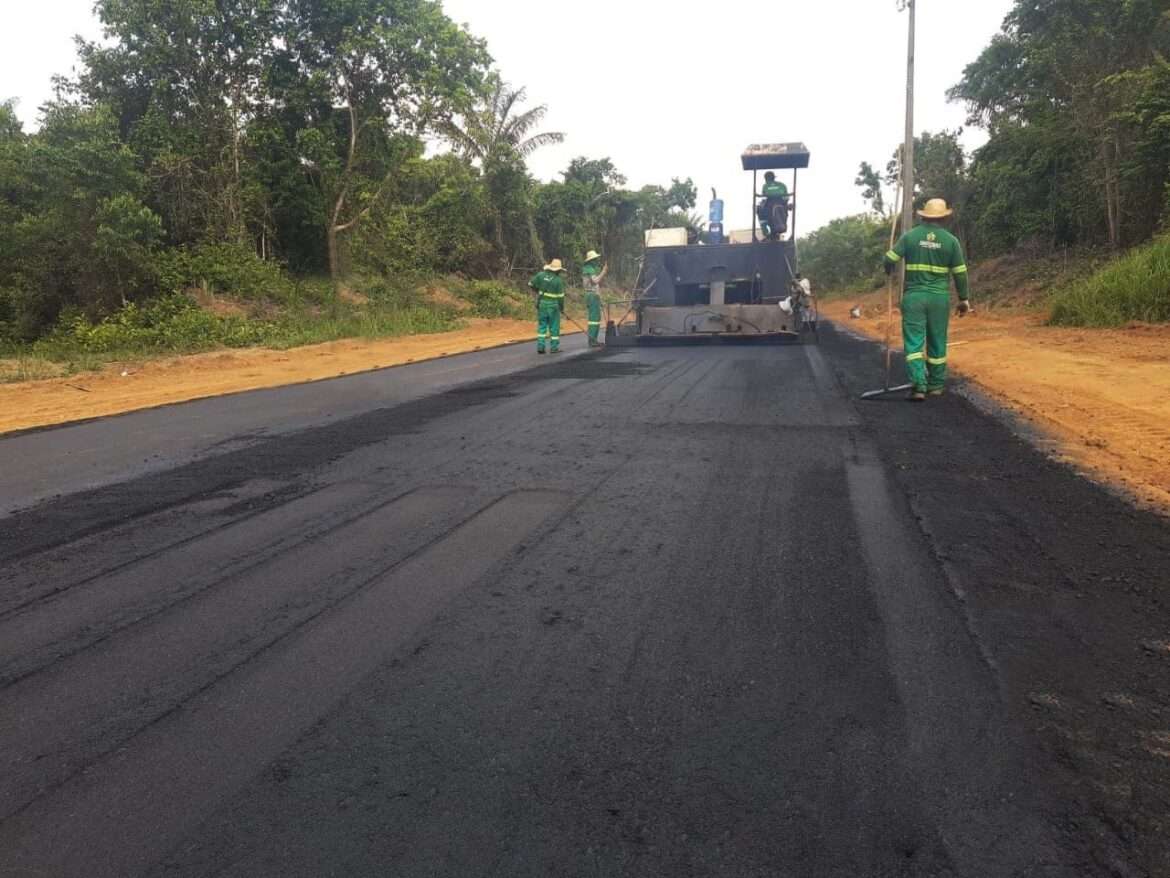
(178, 324)
(273, 312)
(489, 298)
(1133, 287)
(30, 368)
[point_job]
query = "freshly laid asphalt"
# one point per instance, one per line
(655, 612)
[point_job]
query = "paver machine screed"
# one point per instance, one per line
(724, 287)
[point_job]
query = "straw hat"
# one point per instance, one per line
(555, 265)
(591, 255)
(936, 208)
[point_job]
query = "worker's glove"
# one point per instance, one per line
(890, 266)
(964, 308)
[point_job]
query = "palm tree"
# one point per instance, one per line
(493, 127)
(496, 130)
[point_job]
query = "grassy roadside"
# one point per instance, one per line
(1087, 288)
(309, 313)
(1023, 280)
(1132, 287)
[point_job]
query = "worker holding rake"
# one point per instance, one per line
(592, 274)
(932, 256)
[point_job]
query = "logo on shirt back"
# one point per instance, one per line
(931, 242)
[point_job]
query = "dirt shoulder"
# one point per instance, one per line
(124, 387)
(1103, 395)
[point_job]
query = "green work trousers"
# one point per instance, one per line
(593, 309)
(548, 325)
(926, 315)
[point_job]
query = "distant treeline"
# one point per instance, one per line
(1075, 98)
(233, 143)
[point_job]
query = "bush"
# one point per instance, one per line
(491, 298)
(176, 324)
(172, 323)
(226, 268)
(1135, 286)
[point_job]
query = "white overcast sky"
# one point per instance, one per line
(669, 88)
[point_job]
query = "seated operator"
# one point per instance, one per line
(773, 210)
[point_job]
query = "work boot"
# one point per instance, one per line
(935, 391)
(917, 395)
(555, 351)
(540, 350)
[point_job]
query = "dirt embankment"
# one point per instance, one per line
(124, 387)
(1104, 395)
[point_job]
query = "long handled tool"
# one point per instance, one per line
(600, 343)
(889, 352)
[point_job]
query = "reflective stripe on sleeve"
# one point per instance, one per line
(892, 256)
(961, 269)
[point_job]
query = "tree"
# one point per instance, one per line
(845, 253)
(495, 126)
(359, 76)
(77, 233)
(591, 208)
(185, 79)
(498, 137)
(871, 187)
(1060, 64)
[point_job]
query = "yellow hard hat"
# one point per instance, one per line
(591, 255)
(936, 208)
(555, 265)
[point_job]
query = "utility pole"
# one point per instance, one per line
(907, 173)
(908, 144)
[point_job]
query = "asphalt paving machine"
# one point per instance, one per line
(721, 287)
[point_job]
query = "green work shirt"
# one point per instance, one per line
(775, 189)
(549, 286)
(932, 255)
(591, 276)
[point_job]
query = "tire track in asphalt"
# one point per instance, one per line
(54, 724)
(127, 810)
(88, 613)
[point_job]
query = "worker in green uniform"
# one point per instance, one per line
(592, 274)
(773, 210)
(932, 256)
(550, 305)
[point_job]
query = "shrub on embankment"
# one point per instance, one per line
(254, 307)
(1133, 287)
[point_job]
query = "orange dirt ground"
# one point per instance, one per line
(1104, 395)
(124, 387)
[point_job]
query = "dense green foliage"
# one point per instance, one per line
(1075, 95)
(1075, 98)
(240, 147)
(847, 253)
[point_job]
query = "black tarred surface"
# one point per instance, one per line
(662, 612)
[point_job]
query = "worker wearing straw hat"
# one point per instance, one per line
(932, 256)
(550, 305)
(592, 274)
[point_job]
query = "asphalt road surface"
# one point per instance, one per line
(662, 612)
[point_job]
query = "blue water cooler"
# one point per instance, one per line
(715, 220)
